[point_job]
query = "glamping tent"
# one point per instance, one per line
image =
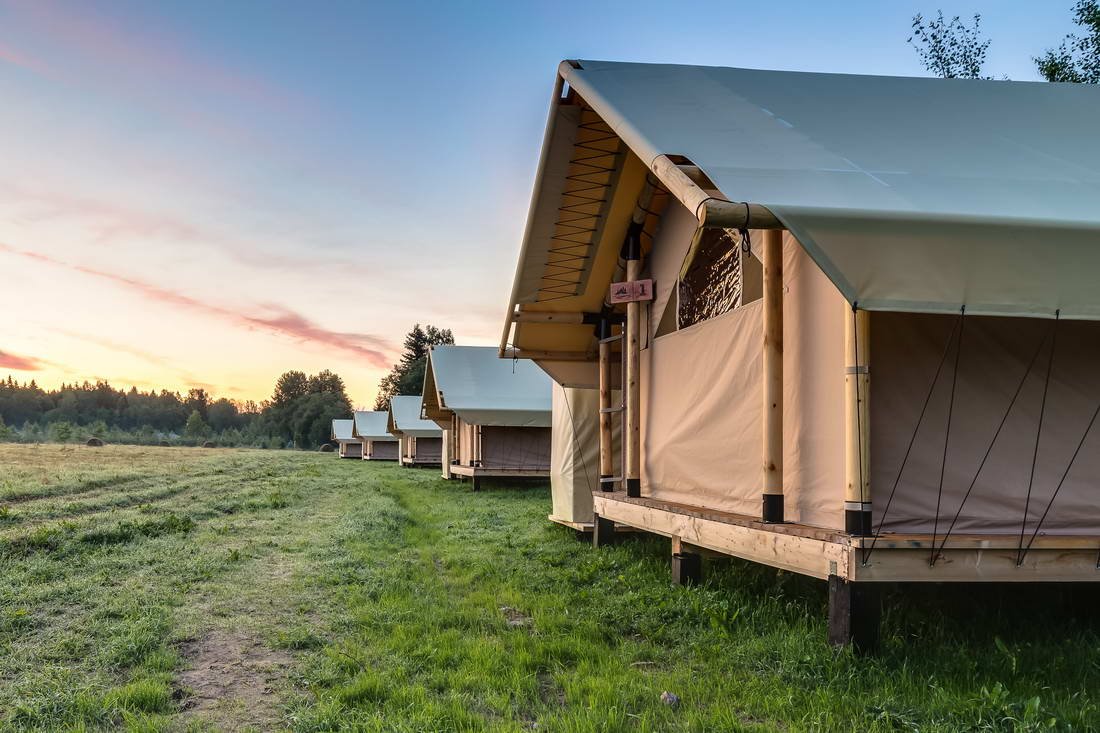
(497, 413)
(349, 445)
(420, 441)
(370, 430)
(859, 338)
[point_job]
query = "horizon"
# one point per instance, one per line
(200, 195)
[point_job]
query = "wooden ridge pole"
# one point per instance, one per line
(857, 422)
(632, 440)
(606, 459)
(773, 377)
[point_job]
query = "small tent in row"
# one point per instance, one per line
(776, 240)
(420, 440)
(497, 413)
(370, 428)
(348, 446)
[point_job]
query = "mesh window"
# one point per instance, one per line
(713, 284)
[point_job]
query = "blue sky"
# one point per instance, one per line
(210, 193)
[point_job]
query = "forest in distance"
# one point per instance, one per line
(298, 414)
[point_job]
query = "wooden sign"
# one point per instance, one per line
(632, 292)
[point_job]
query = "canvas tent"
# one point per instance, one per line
(420, 440)
(348, 446)
(804, 232)
(370, 430)
(498, 413)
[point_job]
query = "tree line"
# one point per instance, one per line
(954, 50)
(299, 413)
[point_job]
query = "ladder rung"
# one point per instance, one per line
(604, 410)
(612, 339)
(611, 479)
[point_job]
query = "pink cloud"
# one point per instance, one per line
(19, 363)
(283, 321)
(106, 222)
(17, 58)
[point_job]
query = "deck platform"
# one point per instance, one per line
(822, 553)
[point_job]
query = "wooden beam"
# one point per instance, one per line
(711, 211)
(857, 422)
(773, 377)
(632, 440)
(548, 317)
(800, 554)
(550, 355)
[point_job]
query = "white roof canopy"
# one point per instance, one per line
(483, 389)
(341, 430)
(405, 418)
(371, 425)
(910, 193)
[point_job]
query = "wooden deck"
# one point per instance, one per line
(417, 463)
(489, 471)
(822, 552)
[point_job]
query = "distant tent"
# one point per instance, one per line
(349, 446)
(421, 440)
(370, 430)
(498, 413)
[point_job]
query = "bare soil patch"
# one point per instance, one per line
(232, 680)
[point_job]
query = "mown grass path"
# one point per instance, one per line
(174, 589)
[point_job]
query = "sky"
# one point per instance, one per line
(209, 193)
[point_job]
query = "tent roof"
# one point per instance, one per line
(371, 425)
(911, 194)
(483, 389)
(341, 430)
(404, 417)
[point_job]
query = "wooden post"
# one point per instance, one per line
(632, 440)
(603, 531)
(854, 614)
(857, 422)
(606, 458)
(773, 377)
(687, 568)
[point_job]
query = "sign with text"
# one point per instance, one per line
(632, 292)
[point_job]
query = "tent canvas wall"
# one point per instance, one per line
(575, 455)
(498, 414)
(420, 440)
(348, 446)
(896, 228)
(370, 430)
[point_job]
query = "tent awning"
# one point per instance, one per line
(911, 194)
(371, 425)
(341, 430)
(482, 389)
(404, 418)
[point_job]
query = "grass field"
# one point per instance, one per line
(183, 589)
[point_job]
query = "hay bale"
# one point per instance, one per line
(209, 444)
(94, 443)
(326, 448)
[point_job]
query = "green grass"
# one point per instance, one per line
(180, 589)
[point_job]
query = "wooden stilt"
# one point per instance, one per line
(603, 531)
(632, 348)
(687, 568)
(857, 419)
(773, 377)
(854, 614)
(606, 459)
